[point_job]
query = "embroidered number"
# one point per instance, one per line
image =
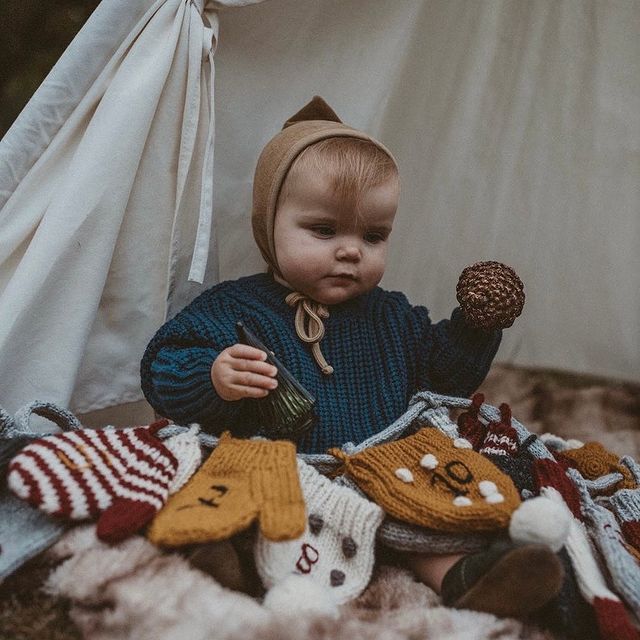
(219, 489)
(307, 559)
(458, 472)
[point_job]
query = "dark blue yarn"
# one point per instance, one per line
(382, 350)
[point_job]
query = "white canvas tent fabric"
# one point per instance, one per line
(516, 125)
(107, 180)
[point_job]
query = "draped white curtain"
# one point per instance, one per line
(106, 183)
(516, 125)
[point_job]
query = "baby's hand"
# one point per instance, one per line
(240, 372)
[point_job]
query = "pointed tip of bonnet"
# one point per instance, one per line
(315, 109)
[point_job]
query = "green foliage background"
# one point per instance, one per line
(33, 35)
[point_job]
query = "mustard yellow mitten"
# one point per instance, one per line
(592, 460)
(435, 482)
(242, 480)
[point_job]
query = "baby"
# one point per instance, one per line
(325, 199)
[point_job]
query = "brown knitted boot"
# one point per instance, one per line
(506, 580)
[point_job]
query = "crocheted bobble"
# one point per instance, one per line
(491, 295)
(336, 550)
(242, 480)
(592, 460)
(456, 487)
(122, 474)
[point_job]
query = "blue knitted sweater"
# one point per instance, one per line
(382, 350)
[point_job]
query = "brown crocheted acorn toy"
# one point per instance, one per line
(491, 295)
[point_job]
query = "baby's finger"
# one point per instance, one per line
(250, 379)
(250, 392)
(245, 351)
(255, 366)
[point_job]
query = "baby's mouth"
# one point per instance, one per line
(343, 276)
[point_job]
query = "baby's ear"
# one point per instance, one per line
(317, 109)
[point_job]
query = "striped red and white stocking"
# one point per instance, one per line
(120, 476)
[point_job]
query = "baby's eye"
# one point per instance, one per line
(324, 230)
(374, 237)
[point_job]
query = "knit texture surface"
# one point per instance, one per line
(382, 348)
(241, 481)
(425, 479)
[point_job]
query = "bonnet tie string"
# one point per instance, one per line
(309, 327)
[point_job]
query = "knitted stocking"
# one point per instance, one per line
(593, 461)
(186, 449)
(425, 479)
(625, 503)
(502, 446)
(336, 550)
(612, 618)
(606, 534)
(470, 425)
(120, 475)
(569, 614)
(242, 480)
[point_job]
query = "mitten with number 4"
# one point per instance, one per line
(241, 481)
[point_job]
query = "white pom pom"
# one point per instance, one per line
(462, 443)
(540, 520)
(494, 498)
(572, 443)
(404, 474)
(429, 461)
(297, 595)
(462, 501)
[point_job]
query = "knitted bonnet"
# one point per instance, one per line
(316, 121)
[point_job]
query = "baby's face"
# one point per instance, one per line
(327, 250)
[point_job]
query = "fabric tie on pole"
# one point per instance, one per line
(203, 41)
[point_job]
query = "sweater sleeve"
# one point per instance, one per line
(451, 357)
(175, 371)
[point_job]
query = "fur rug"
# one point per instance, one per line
(134, 591)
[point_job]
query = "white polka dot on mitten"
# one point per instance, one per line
(336, 550)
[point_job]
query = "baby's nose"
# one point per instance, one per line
(349, 251)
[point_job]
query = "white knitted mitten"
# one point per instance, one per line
(186, 448)
(336, 551)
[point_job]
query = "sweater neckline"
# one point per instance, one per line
(275, 293)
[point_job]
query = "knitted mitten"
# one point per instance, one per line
(625, 503)
(501, 445)
(593, 461)
(242, 480)
(120, 475)
(186, 449)
(470, 425)
(606, 534)
(425, 479)
(336, 550)
(611, 615)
